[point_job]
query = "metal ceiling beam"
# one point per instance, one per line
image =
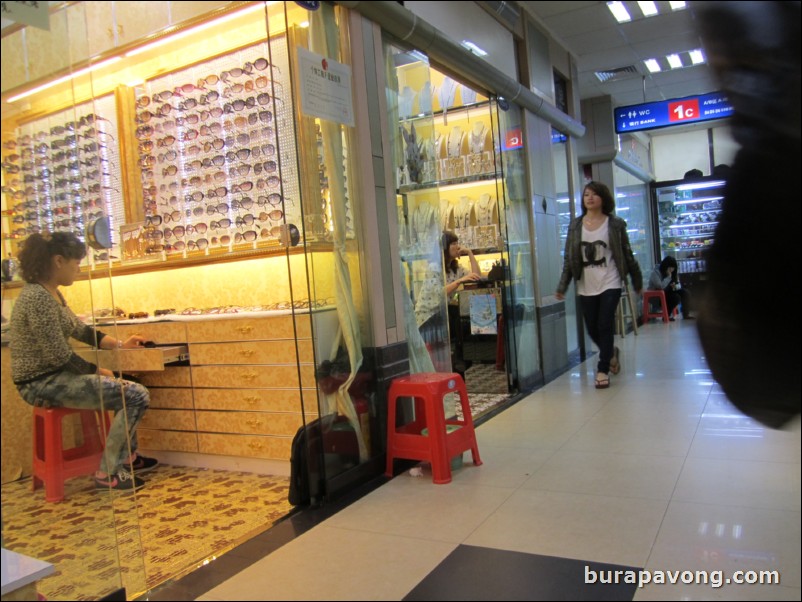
(411, 29)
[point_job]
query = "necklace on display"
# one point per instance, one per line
(455, 142)
(447, 93)
(477, 143)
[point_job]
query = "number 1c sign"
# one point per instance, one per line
(683, 110)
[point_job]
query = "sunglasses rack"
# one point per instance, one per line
(209, 144)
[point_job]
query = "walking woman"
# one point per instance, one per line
(599, 257)
(46, 370)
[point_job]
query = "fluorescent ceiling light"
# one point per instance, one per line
(677, 5)
(697, 56)
(701, 185)
(66, 78)
(619, 11)
(674, 61)
(652, 65)
(699, 200)
(649, 9)
(473, 48)
(193, 30)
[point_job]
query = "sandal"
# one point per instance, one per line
(602, 381)
(615, 363)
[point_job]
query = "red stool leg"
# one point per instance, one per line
(54, 458)
(436, 423)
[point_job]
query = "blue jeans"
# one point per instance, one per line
(599, 314)
(127, 399)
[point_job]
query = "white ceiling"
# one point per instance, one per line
(589, 31)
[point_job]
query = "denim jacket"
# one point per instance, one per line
(619, 247)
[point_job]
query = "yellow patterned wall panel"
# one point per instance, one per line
(17, 427)
(250, 423)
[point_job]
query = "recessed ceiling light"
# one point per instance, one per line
(697, 56)
(619, 11)
(652, 65)
(677, 5)
(649, 9)
(674, 61)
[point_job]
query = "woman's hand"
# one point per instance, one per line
(559, 296)
(105, 372)
(470, 278)
(133, 342)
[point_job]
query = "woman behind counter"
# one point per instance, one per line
(48, 373)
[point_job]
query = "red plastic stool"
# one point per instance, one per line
(437, 446)
(52, 464)
(663, 313)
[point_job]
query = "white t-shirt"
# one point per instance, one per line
(599, 270)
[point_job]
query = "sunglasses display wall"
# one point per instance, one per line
(209, 141)
(62, 173)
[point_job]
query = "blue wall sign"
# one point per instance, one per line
(665, 113)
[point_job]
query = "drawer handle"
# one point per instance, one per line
(246, 352)
(253, 399)
(255, 444)
(249, 375)
(245, 329)
(253, 421)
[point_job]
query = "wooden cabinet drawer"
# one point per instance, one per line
(158, 332)
(250, 423)
(249, 329)
(253, 352)
(167, 440)
(249, 446)
(176, 376)
(170, 398)
(253, 377)
(171, 420)
(252, 400)
(133, 360)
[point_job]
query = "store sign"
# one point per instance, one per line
(513, 139)
(29, 13)
(325, 88)
(666, 113)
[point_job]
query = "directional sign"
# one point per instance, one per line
(665, 113)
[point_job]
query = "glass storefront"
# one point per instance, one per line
(225, 187)
(460, 177)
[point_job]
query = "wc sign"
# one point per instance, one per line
(513, 139)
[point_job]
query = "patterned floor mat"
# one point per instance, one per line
(182, 517)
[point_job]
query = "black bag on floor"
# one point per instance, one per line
(330, 440)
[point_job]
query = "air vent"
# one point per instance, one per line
(611, 75)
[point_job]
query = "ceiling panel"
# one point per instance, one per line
(591, 34)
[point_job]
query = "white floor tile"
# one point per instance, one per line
(608, 474)
(570, 525)
(416, 507)
(728, 538)
(774, 485)
(331, 563)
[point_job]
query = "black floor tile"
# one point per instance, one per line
(476, 573)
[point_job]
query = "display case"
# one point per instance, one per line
(687, 214)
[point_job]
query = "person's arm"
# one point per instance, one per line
(566, 275)
(474, 264)
(633, 268)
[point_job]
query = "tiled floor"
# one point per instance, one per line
(658, 472)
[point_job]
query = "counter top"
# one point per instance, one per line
(19, 570)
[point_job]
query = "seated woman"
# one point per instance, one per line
(664, 278)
